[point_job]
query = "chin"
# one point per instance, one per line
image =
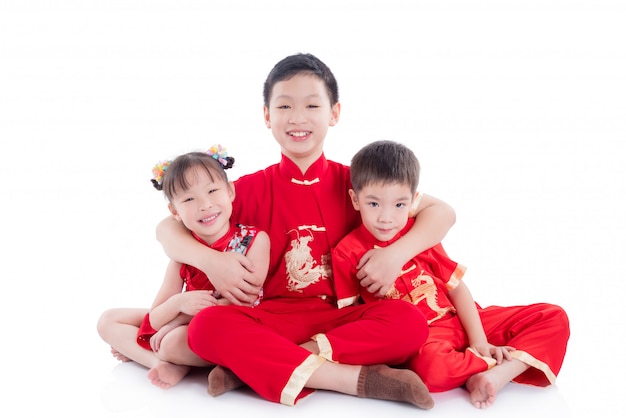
(384, 237)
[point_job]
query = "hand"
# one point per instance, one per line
(194, 301)
(234, 279)
(377, 270)
(155, 340)
(499, 353)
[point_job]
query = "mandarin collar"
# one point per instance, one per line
(290, 170)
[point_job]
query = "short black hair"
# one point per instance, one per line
(385, 162)
(301, 64)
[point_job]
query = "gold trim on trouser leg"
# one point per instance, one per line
(326, 350)
(524, 357)
(299, 378)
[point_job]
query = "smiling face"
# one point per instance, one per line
(384, 208)
(205, 206)
(299, 114)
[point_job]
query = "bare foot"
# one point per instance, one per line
(482, 389)
(121, 357)
(165, 375)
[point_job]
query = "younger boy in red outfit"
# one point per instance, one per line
(482, 349)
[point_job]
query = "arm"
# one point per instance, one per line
(259, 256)
(171, 304)
(232, 274)
(466, 310)
(379, 268)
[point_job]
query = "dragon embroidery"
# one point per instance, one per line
(302, 269)
(424, 288)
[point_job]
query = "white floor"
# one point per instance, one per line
(515, 109)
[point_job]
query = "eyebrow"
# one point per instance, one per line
(372, 196)
(285, 96)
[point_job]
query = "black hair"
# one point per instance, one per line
(175, 178)
(385, 162)
(301, 64)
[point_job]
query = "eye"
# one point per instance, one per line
(213, 191)
(283, 107)
(312, 106)
(373, 204)
(400, 205)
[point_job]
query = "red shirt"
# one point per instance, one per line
(424, 281)
(305, 216)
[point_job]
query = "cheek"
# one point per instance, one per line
(368, 216)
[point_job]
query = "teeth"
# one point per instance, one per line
(299, 134)
(209, 219)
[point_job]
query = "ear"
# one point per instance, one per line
(415, 203)
(266, 117)
(354, 199)
(173, 211)
(334, 114)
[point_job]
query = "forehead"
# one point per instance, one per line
(386, 190)
(202, 174)
(300, 86)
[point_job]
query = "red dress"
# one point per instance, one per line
(539, 332)
(238, 239)
(305, 216)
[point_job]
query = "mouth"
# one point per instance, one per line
(385, 231)
(299, 135)
(208, 219)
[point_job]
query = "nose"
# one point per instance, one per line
(385, 216)
(297, 116)
(206, 203)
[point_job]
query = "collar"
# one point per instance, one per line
(290, 171)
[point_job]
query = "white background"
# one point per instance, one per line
(516, 110)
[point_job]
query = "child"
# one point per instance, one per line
(297, 340)
(200, 196)
(481, 348)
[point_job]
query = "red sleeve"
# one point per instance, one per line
(344, 262)
(447, 270)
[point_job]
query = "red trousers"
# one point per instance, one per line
(538, 332)
(261, 344)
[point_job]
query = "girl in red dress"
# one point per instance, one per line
(200, 197)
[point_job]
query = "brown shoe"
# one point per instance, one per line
(383, 382)
(222, 380)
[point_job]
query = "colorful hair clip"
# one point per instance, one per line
(158, 171)
(219, 153)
